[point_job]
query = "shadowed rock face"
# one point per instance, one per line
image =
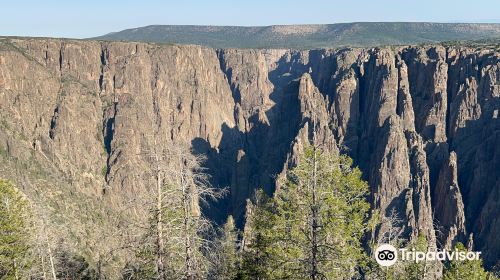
(421, 122)
(449, 208)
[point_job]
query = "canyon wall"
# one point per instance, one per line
(83, 117)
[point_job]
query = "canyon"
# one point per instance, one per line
(78, 119)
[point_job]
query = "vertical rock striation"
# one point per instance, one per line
(448, 205)
(421, 122)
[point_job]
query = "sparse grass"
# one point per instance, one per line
(104, 170)
(81, 219)
(22, 51)
(490, 44)
(4, 124)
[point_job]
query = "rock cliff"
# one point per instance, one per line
(79, 119)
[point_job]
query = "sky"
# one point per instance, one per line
(89, 18)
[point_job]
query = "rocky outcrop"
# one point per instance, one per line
(474, 131)
(84, 118)
(448, 205)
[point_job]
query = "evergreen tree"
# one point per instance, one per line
(15, 238)
(258, 238)
(466, 269)
(313, 226)
(412, 269)
(226, 255)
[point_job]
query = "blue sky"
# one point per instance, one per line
(81, 19)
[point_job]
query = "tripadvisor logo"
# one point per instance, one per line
(388, 255)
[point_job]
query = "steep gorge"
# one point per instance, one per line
(421, 122)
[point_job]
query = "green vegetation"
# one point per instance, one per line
(312, 227)
(413, 270)
(104, 170)
(484, 44)
(28, 248)
(225, 256)
(357, 34)
(466, 269)
(15, 239)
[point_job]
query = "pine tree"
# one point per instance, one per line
(465, 269)
(312, 228)
(226, 255)
(258, 238)
(15, 238)
(412, 269)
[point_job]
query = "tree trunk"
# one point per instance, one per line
(159, 229)
(42, 262)
(16, 275)
(314, 226)
(187, 238)
(51, 260)
(314, 208)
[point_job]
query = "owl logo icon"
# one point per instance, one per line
(386, 255)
